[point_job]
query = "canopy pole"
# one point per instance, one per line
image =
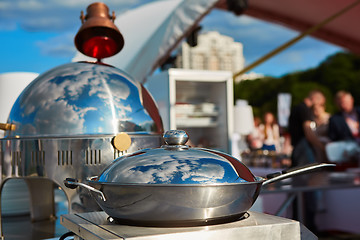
(296, 39)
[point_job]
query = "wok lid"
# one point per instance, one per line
(176, 163)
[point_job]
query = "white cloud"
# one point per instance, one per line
(54, 15)
(64, 115)
(293, 56)
(59, 46)
(28, 5)
(6, 25)
(246, 20)
(257, 37)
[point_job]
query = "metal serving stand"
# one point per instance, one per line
(340, 193)
(95, 226)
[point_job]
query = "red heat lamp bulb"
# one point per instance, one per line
(100, 47)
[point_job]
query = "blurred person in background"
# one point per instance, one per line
(344, 125)
(255, 139)
(301, 125)
(321, 120)
(344, 132)
(270, 133)
(304, 141)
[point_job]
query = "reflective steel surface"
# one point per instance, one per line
(39, 160)
(83, 99)
(174, 184)
(254, 226)
(21, 227)
(66, 121)
(163, 166)
(176, 137)
(176, 205)
(176, 163)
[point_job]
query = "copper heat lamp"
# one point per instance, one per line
(98, 36)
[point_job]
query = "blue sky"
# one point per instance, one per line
(37, 35)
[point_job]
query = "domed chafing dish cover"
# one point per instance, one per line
(83, 99)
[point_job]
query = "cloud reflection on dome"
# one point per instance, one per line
(163, 167)
(80, 98)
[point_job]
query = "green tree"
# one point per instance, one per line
(340, 71)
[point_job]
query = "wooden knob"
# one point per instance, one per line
(121, 141)
(7, 126)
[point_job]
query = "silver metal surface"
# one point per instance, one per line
(65, 122)
(163, 166)
(176, 137)
(174, 184)
(81, 99)
(41, 198)
(43, 159)
(176, 164)
(297, 172)
(177, 185)
(102, 196)
(94, 226)
(168, 204)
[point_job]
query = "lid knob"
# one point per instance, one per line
(175, 137)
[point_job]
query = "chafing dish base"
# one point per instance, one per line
(95, 226)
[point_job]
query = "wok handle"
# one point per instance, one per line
(273, 177)
(73, 183)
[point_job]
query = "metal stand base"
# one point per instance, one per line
(95, 226)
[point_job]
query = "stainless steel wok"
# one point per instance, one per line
(178, 185)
